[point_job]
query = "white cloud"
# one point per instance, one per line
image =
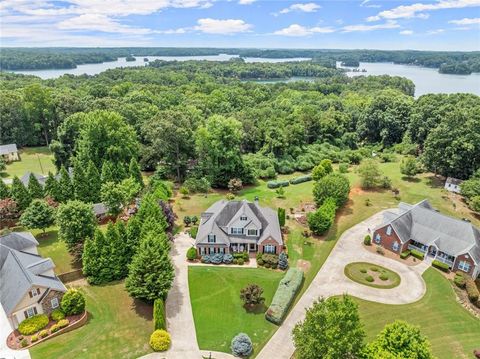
(466, 21)
(246, 2)
(362, 27)
(98, 22)
(418, 9)
(229, 26)
(366, 3)
(435, 32)
(299, 30)
(406, 32)
(308, 7)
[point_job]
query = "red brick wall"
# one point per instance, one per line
(388, 240)
(278, 248)
(463, 257)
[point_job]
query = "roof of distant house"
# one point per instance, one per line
(454, 181)
(99, 209)
(7, 149)
(25, 179)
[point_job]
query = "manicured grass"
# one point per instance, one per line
(33, 159)
(218, 311)
(118, 327)
(452, 330)
(360, 271)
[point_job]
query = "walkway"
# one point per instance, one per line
(330, 281)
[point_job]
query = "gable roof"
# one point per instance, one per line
(454, 181)
(422, 223)
(20, 270)
(25, 179)
(7, 149)
(222, 214)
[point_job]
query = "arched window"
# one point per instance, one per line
(389, 230)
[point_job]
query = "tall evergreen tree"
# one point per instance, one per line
(80, 184)
(52, 188)
(151, 272)
(107, 172)
(90, 255)
(38, 215)
(120, 251)
(4, 190)
(134, 228)
(150, 208)
(94, 183)
(20, 194)
(135, 173)
(119, 172)
(65, 186)
(34, 187)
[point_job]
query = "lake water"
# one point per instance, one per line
(426, 80)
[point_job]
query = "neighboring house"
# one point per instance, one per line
(449, 240)
(9, 152)
(238, 226)
(28, 284)
(100, 210)
(453, 184)
(25, 179)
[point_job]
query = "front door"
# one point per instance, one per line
(252, 247)
(433, 251)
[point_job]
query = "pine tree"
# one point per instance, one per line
(150, 208)
(134, 228)
(93, 182)
(90, 255)
(104, 272)
(65, 186)
(110, 254)
(79, 182)
(20, 194)
(120, 251)
(34, 187)
(119, 172)
(151, 272)
(134, 172)
(52, 188)
(4, 190)
(107, 172)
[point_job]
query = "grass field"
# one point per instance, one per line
(360, 271)
(118, 327)
(218, 311)
(33, 159)
(452, 331)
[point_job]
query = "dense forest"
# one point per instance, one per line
(48, 58)
(194, 120)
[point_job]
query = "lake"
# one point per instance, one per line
(426, 80)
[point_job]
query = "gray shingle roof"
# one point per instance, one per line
(7, 149)
(99, 209)
(215, 220)
(454, 181)
(25, 179)
(19, 270)
(424, 224)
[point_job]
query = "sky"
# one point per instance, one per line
(337, 24)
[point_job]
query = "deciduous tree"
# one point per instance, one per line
(38, 215)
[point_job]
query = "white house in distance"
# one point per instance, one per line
(453, 184)
(9, 152)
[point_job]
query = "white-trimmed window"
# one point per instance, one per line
(211, 250)
(54, 303)
(395, 246)
(202, 250)
(243, 218)
(221, 250)
(378, 239)
(34, 292)
(236, 230)
(464, 266)
(389, 230)
(252, 232)
(211, 238)
(30, 312)
(269, 248)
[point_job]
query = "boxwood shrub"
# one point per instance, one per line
(24, 342)
(159, 319)
(277, 184)
(54, 328)
(283, 298)
(417, 254)
(301, 179)
(73, 302)
(43, 333)
(383, 277)
(34, 338)
(160, 340)
(369, 278)
(33, 324)
(367, 240)
(472, 290)
(405, 254)
(440, 265)
(57, 315)
(191, 254)
(63, 323)
(460, 280)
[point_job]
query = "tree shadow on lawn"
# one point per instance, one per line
(142, 309)
(255, 309)
(435, 181)
(411, 179)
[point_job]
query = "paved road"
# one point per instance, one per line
(330, 281)
(5, 351)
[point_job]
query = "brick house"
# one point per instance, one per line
(28, 284)
(439, 237)
(238, 226)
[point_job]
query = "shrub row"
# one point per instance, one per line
(460, 280)
(417, 254)
(405, 254)
(277, 184)
(219, 258)
(33, 324)
(159, 318)
(301, 179)
(283, 298)
(60, 325)
(267, 260)
(440, 265)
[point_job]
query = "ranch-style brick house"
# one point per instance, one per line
(238, 226)
(439, 237)
(28, 284)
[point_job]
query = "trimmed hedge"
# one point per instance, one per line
(440, 265)
(301, 179)
(43, 333)
(57, 315)
(33, 324)
(367, 240)
(283, 298)
(277, 184)
(369, 278)
(160, 340)
(191, 254)
(159, 318)
(405, 254)
(63, 323)
(217, 258)
(460, 280)
(34, 338)
(417, 254)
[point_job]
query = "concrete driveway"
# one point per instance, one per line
(5, 330)
(331, 280)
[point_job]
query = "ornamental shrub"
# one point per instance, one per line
(363, 270)
(241, 345)
(191, 254)
(34, 338)
(260, 262)
(24, 342)
(383, 277)
(217, 258)
(33, 324)
(374, 269)
(417, 254)
(54, 328)
(57, 315)
(63, 323)
(301, 179)
(73, 302)
(283, 298)
(460, 280)
(270, 259)
(43, 333)
(405, 254)
(240, 261)
(206, 259)
(259, 255)
(440, 265)
(277, 184)
(472, 290)
(283, 261)
(321, 220)
(160, 340)
(367, 240)
(369, 278)
(343, 168)
(228, 258)
(159, 318)
(193, 232)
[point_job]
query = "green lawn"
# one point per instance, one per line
(361, 271)
(118, 327)
(452, 331)
(218, 311)
(33, 159)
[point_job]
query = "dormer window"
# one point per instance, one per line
(243, 218)
(252, 232)
(211, 238)
(34, 292)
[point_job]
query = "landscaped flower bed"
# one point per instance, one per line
(372, 275)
